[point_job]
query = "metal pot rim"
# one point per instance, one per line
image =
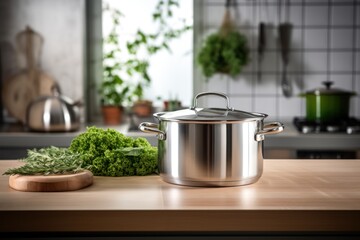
(209, 115)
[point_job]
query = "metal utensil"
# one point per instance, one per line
(285, 36)
(261, 47)
(284, 31)
(55, 113)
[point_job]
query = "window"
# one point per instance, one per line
(170, 72)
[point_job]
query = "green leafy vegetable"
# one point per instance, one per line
(224, 54)
(51, 160)
(111, 153)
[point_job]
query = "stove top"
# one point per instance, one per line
(349, 126)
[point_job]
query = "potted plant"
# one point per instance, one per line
(224, 52)
(113, 94)
(135, 68)
(113, 89)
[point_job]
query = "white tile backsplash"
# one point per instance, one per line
(265, 105)
(357, 84)
(313, 81)
(273, 13)
(295, 61)
(320, 50)
(341, 38)
(342, 16)
(242, 85)
(217, 83)
(241, 103)
(296, 82)
(213, 16)
(341, 61)
(356, 99)
(316, 15)
(244, 15)
(270, 61)
(355, 106)
(267, 86)
(316, 38)
(296, 40)
(250, 34)
(296, 15)
(290, 107)
(343, 82)
(315, 61)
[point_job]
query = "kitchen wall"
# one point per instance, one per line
(61, 24)
(325, 46)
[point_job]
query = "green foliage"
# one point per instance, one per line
(224, 54)
(135, 68)
(110, 153)
(112, 90)
(104, 152)
(50, 160)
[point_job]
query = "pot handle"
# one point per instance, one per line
(269, 128)
(212, 93)
(153, 128)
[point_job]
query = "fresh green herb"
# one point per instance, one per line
(224, 54)
(111, 153)
(51, 160)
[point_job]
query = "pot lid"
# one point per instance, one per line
(328, 90)
(209, 114)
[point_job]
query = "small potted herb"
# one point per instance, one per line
(113, 94)
(113, 89)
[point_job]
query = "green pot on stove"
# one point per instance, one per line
(327, 104)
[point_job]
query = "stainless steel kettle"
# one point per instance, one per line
(54, 113)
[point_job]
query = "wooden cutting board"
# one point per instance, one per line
(19, 91)
(51, 183)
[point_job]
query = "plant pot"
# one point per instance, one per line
(112, 115)
(142, 108)
(171, 105)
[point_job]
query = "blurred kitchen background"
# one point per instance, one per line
(324, 46)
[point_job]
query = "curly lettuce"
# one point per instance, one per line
(111, 153)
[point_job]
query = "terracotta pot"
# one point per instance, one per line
(172, 105)
(112, 115)
(143, 108)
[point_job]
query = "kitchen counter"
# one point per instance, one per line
(289, 138)
(292, 197)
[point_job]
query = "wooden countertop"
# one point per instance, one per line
(291, 196)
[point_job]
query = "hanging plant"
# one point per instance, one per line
(224, 52)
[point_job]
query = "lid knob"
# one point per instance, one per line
(328, 84)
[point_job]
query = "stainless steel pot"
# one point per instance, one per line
(55, 113)
(210, 146)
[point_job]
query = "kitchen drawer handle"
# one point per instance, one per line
(269, 128)
(153, 128)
